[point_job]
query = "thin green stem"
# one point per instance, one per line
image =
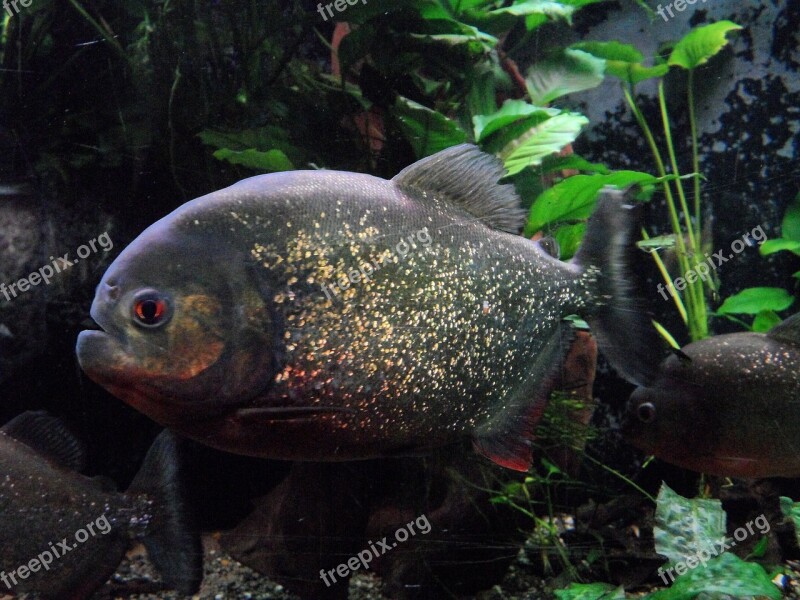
(621, 476)
(682, 255)
(698, 320)
(687, 216)
(668, 280)
(695, 154)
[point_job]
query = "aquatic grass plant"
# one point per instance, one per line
(626, 63)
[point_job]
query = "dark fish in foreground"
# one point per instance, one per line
(62, 534)
(322, 315)
(726, 405)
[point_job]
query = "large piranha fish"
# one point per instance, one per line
(323, 315)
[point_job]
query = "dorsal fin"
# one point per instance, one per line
(788, 331)
(48, 436)
(468, 177)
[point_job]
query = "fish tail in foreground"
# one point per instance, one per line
(619, 321)
(172, 544)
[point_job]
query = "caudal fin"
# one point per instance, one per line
(173, 545)
(622, 326)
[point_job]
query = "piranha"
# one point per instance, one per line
(62, 534)
(323, 315)
(724, 405)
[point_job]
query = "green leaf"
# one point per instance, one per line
(590, 591)
(622, 61)
(547, 138)
(765, 320)
(569, 239)
(726, 575)
(760, 549)
(790, 227)
(633, 73)
(701, 44)
(270, 161)
(510, 112)
(753, 300)
(574, 198)
(571, 71)
(685, 527)
(778, 245)
(611, 51)
(660, 242)
(573, 162)
(791, 509)
(427, 131)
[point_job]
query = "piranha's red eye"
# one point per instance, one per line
(150, 309)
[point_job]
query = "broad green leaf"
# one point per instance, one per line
(752, 301)
(778, 245)
(535, 13)
(701, 44)
(765, 320)
(427, 131)
(622, 61)
(574, 198)
(633, 73)
(540, 141)
(550, 8)
(611, 51)
(573, 162)
(270, 161)
(571, 71)
(684, 527)
(725, 575)
(791, 509)
(510, 112)
(569, 239)
(477, 43)
(590, 591)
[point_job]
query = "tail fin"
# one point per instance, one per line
(172, 543)
(623, 328)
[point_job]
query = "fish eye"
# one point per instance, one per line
(646, 412)
(151, 309)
